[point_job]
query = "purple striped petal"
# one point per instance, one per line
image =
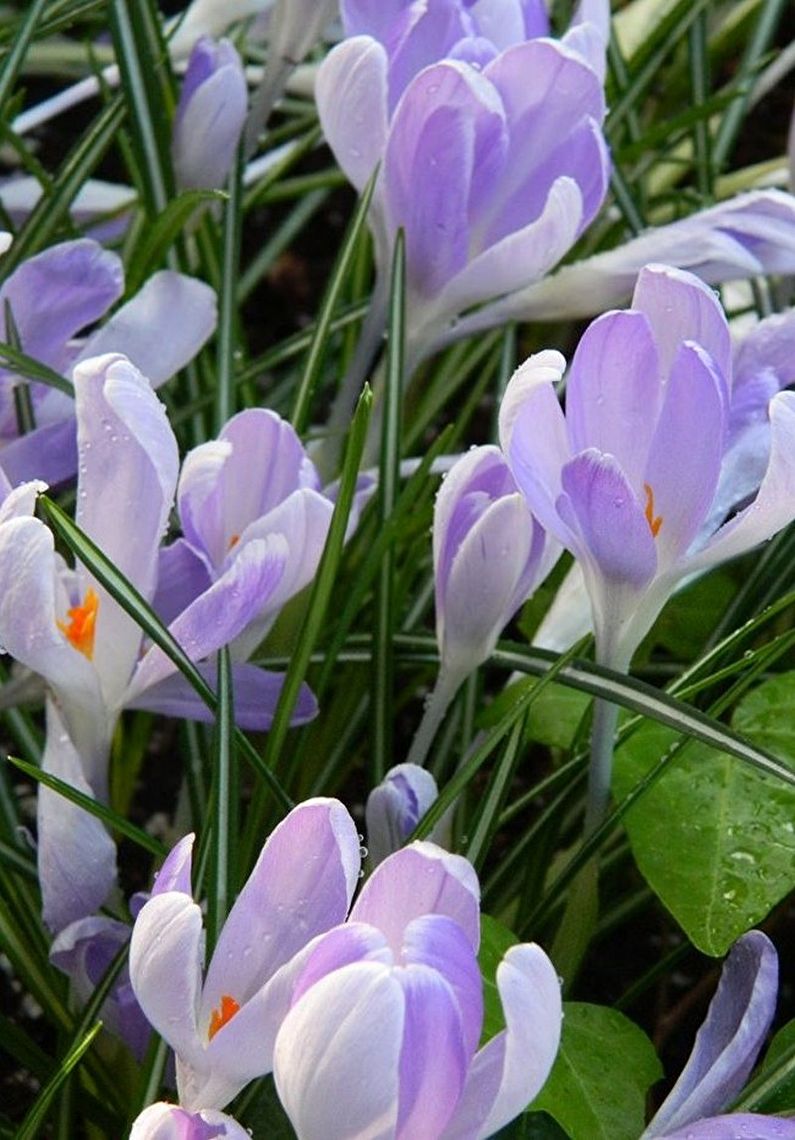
(301, 886)
(48, 453)
(613, 390)
(256, 694)
(166, 957)
(439, 943)
(182, 575)
(340, 1046)
(351, 95)
(730, 1038)
(161, 328)
(175, 874)
(601, 509)
(395, 807)
(128, 471)
(219, 614)
(169, 1122)
(511, 1069)
(421, 879)
(738, 1126)
(76, 856)
(210, 116)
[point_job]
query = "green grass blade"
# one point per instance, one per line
(221, 878)
(37, 1116)
(389, 474)
(227, 335)
(20, 42)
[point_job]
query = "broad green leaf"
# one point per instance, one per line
(495, 939)
(597, 1087)
(716, 839)
(773, 1088)
(554, 718)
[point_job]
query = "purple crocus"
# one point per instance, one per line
(396, 806)
(92, 657)
(222, 1028)
(210, 115)
(627, 478)
(386, 1015)
(163, 1121)
(724, 1052)
(253, 482)
(509, 157)
(489, 554)
(52, 297)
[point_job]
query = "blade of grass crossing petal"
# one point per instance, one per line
(227, 337)
(110, 818)
(13, 358)
(222, 882)
(20, 42)
(47, 215)
(142, 60)
(37, 1116)
(339, 274)
(389, 474)
(145, 617)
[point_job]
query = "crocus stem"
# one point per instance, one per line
(446, 687)
(605, 716)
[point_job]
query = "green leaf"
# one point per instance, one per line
(597, 1087)
(38, 1114)
(715, 839)
(160, 236)
(495, 939)
(773, 1088)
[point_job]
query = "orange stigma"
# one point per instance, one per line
(655, 522)
(79, 630)
(219, 1017)
(233, 541)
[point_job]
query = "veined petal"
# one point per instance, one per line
(128, 472)
(175, 873)
(602, 511)
(166, 957)
(774, 504)
(685, 456)
(613, 390)
(182, 575)
(218, 615)
(161, 328)
(736, 1126)
(340, 1045)
(433, 1057)
(351, 95)
(163, 1121)
(512, 1068)
(727, 1043)
(420, 879)
(76, 856)
(301, 886)
(48, 452)
(210, 116)
(542, 369)
(58, 292)
(256, 694)
(395, 807)
(679, 307)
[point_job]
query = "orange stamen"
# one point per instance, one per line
(219, 1017)
(655, 522)
(233, 541)
(79, 630)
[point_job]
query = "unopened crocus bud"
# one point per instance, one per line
(395, 808)
(489, 553)
(210, 116)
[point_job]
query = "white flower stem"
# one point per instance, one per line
(605, 717)
(446, 687)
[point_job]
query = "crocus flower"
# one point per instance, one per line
(417, 34)
(210, 116)
(387, 1011)
(492, 172)
(628, 477)
(63, 625)
(489, 554)
(254, 481)
(163, 1121)
(724, 1052)
(222, 1028)
(84, 951)
(53, 296)
(395, 807)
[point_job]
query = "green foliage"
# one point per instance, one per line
(598, 1084)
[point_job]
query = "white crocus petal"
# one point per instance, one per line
(336, 1060)
(351, 94)
(166, 957)
(545, 367)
